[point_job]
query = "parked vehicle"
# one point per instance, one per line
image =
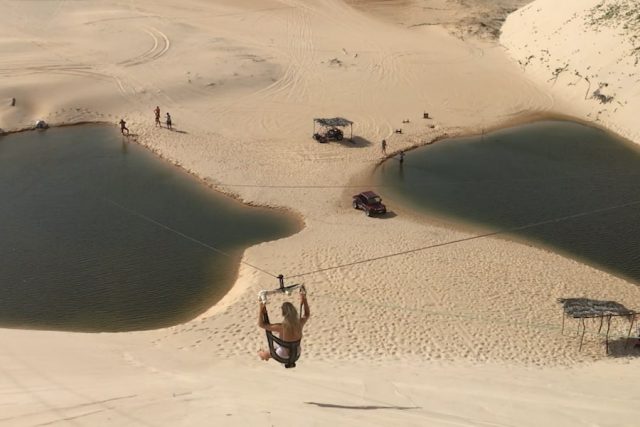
(331, 134)
(335, 133)
(370, 203)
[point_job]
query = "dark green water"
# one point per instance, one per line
(585, 178)
(77, 253)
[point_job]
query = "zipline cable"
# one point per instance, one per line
(179, 233)
(373, 259)
(466, 239)
(482, 318)
(475, 317)
(469, 181)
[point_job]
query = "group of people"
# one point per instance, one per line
(125, 131)
(167, 120)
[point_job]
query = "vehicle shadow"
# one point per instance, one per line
(355, 142)
(388, 215)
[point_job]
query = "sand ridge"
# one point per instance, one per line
(243, 81)
(586, 55)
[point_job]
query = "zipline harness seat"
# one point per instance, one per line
(292, 347)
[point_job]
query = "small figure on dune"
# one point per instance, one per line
(169, 121)
(384, 146)
(13, 102)
(157, 113)
(123, 127)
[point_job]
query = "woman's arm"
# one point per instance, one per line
(275, 327)
(305, 306)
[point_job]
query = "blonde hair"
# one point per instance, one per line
(291, 322)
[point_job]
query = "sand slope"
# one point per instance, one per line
(119, 387)
(586, 52)
(465, 334)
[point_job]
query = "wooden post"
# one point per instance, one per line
(600, 328)
(608, 327)
(578, 330)
(583, 330)
(633, 319)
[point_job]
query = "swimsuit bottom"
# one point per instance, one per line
(283, 351)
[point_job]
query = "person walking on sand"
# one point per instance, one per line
(169, 121)
(157, 113)
(384, 147)
(123, 127)
(289, 330)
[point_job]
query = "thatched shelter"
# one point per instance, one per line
(584, 308)
(334, 122)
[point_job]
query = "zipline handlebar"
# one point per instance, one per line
(262, 295)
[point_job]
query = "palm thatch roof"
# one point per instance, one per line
(589, 308)
(333, 122)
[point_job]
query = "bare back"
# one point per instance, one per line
(288, 334)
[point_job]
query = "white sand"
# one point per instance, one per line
(582, 48)
(466, 334)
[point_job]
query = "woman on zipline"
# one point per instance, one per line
(289, 330)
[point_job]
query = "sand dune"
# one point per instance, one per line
(588, 55)
(468, 334)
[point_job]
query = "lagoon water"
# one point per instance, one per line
(580, 183)
(86, 244)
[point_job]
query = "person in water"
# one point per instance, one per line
(289, 330)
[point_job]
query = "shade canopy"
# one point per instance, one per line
(588, 308)
(334, 122)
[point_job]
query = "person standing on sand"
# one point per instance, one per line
(384, 147)
(289, 330)
(169, 121)
(157, 113)
(123, 127)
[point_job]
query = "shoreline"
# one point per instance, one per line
(203, 180)
(458, 226)
(295, 219)
(524, 119)
(480, 230)
(242, 82)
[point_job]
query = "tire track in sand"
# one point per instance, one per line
(161, 45)
(293, 85)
